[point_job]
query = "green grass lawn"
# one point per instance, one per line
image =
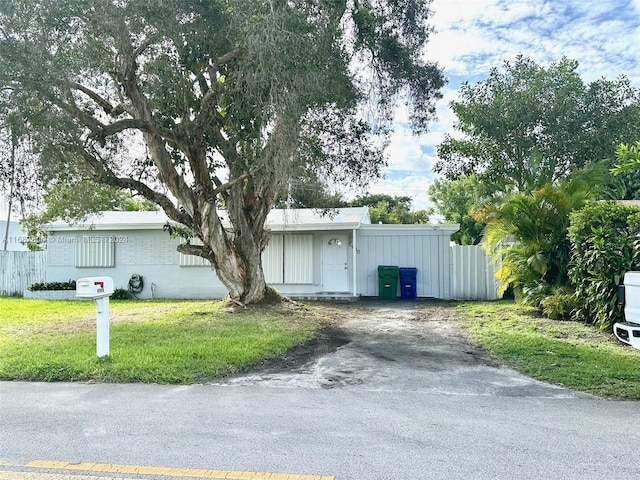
(566, 353)
(158, 341)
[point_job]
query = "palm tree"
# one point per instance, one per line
(528, 233)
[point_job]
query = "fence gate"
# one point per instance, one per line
(473, 275)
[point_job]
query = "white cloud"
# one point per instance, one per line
(405, 152)
(474, 36)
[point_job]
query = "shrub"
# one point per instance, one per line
(605, 241)
(38, 286)
(121, 294)
(560, 304)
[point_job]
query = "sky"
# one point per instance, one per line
(473, 36)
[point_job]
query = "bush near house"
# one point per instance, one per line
(605, 244)
(39, 286)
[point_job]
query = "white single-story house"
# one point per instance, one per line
(309, 254)
(12, 239)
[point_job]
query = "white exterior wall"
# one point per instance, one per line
(153, 255)
(423, 247)
(150, 253)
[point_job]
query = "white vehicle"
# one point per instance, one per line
(629, 331)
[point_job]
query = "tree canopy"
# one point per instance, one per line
(527, 125)
(457, 200)
(201, 104)
(390, 209)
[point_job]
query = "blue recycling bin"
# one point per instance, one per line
(408, 283)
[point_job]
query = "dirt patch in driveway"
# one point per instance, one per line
(400, 346)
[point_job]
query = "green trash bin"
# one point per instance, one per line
(387, 282)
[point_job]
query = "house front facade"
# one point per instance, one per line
(308, 255)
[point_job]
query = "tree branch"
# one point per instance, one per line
(142, 47)
(104, 174)
(197, 250)
(155, 136)
(223, 187)
(103, 103)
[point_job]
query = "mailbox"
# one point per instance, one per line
(94, 287)
(98, 289)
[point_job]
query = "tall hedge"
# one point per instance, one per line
(605, 240)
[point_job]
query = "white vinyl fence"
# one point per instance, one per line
(473, 275)
(18, 270)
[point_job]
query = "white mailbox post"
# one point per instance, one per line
(99, 289)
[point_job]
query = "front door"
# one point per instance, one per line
(335, 272)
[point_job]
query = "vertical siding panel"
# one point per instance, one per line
(374, 259)
(445, 282)
(421, 265)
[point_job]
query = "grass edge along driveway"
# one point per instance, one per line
(157, 341)
(565, 353)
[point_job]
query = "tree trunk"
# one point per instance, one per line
(11, 194)
(236, 257)
(245, 281)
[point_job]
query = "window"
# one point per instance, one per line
(193, 260)
(298, 259)
(334, 242)
(288, 259)
(95, 251)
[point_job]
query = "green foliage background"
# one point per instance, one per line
(606, 244)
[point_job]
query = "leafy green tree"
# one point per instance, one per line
(227, 96)
(70, 202)
(457, 200)
(527, 125)
(390, 209)
(306, 190)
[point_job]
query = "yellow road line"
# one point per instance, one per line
(171, 472)
(12, 475)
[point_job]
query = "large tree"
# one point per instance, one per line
(225, 97)
(527, 125)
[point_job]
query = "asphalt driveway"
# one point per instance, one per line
(403, 346)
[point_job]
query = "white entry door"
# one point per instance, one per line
(335, 271)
